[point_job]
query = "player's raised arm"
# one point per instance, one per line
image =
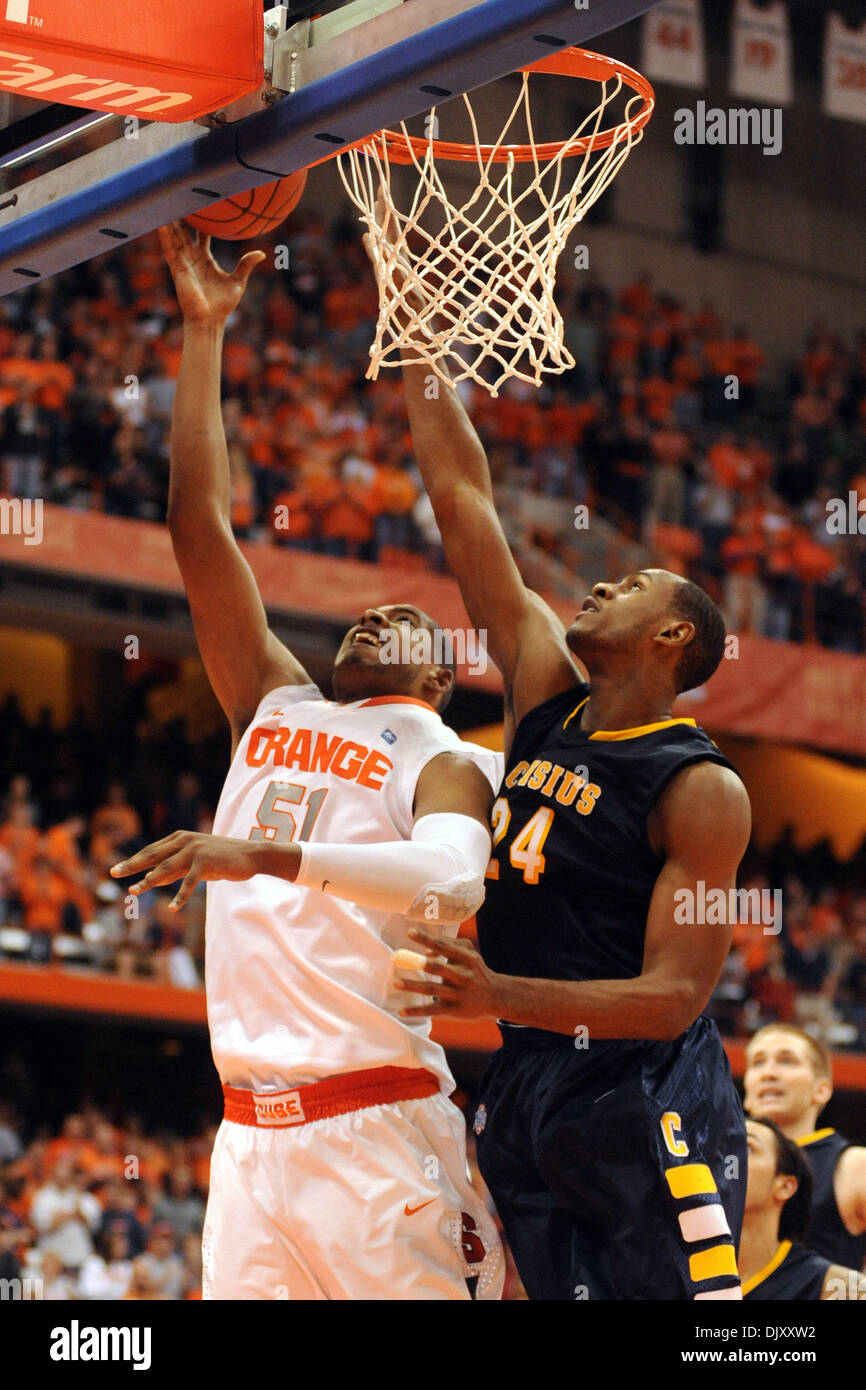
(243, 659)
(702, 826)
(524, 636)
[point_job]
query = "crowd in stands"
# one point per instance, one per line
(99, 1210)
(668, 427)
(95, 1210)
(807, 964)
(58, 902)
(66, 815)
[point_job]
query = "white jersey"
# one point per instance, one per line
(299, 984)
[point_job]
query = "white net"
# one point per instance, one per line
(468, 289)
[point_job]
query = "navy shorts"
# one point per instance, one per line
(618, 1171)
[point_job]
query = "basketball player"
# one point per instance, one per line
(340, 1168)
(775, 1263)
(788, 1079)
(609, 1130)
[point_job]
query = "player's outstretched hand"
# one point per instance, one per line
(462, 986)
(206, 293)
(190, 856)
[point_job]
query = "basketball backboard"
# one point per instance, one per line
(330, 81)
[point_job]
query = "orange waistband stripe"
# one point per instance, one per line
(320, 1100)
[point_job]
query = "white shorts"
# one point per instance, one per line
(375, 1204)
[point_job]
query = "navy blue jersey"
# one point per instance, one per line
(794, 1274)
(569, 889)
(827, 1231)
(595, 1191)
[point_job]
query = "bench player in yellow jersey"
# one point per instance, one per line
(776, 1261)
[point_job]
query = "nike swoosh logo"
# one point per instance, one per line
(410, 1211)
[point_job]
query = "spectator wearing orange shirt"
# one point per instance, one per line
(255, 430)
(73, 1141)
(636, 297)
(628, 396)
(671, 449)
(812, 417)
(397, 494)
(242, 493)
(20, 839)
(760, 465)
(280, 313)
(112, 826)
(731, 467)
(349, 301)
(624, 340)
(748, 359)
(785, 583)
(713, 508)
(47, 906)
(721, 385)
(7, 883)
(743, 557)
(688, 366)
(658, 398)
(103, 1161)
(564, 420)
(60, 844)
(720, 355)
(857, 485)
(707, 322)
(818, 359)
(658, 337)
(347, 524)
(292, 519)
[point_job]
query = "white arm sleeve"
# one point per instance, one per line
(437, 876)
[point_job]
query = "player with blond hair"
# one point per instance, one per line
(788, 1079)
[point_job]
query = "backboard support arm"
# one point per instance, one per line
(338, 90)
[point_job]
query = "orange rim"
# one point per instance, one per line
(571, 62)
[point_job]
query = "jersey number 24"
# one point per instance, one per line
(525, 849)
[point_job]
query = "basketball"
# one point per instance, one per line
(255, 213)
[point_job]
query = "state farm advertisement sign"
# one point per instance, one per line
(163, 61)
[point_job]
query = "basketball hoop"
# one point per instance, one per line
(482, 283)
